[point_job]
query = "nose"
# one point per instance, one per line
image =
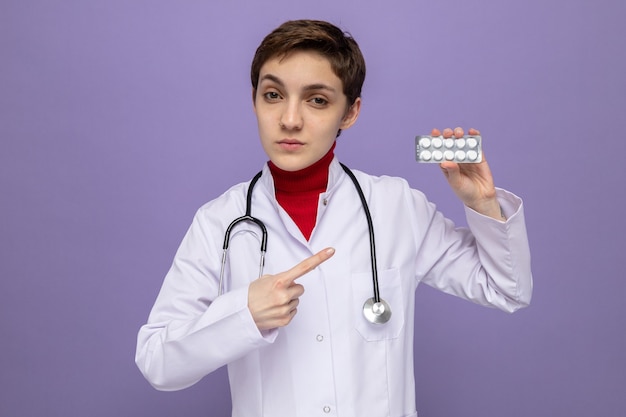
(291, 117)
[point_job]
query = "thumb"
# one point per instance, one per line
(451, 170)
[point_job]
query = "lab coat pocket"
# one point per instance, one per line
(390, 290)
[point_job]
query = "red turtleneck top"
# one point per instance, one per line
(298, 191)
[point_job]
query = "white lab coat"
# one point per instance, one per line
(329, 360)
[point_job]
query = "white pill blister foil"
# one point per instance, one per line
(437, 149)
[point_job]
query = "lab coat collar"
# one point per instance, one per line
(336, 175)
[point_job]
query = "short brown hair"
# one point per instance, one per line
(341, 50)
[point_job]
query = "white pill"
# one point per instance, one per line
(426, 155)
(460, 143)
(472, 143)
(449, 143)
(437, 142)
(472, 155)
(449, 155)
(437, 155)
(459, 155)
(425, 143)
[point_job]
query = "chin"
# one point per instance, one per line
(292, 165)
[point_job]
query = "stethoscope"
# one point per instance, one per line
(376, 310)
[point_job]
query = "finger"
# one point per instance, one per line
(458, 132)
(473, 131)
(447, 132)
(435, 132)
(449, 167)
(308, 265)
(293, 304)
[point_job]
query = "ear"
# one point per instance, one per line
(351, 114)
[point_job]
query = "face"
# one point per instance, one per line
(300, 106)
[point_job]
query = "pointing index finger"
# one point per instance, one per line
(308, 264)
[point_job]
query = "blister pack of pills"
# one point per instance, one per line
(437, 149)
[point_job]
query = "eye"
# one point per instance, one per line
(319, 101)
(271, 96)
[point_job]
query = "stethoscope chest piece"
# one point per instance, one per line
(376, 312)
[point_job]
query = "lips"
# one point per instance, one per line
(290, 144)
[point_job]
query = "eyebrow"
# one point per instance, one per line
(310, 87)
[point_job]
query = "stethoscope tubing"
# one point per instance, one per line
(245, 218)
(375, 309)
(370, 226)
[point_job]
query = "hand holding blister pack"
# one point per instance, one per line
(437, 149)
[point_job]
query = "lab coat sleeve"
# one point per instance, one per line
(487, 263)
(190, 331)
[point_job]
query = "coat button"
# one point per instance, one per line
(319, 338)
(327, 409)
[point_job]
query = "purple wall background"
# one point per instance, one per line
(118, 119)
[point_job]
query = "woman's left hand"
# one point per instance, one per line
(471, 182)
